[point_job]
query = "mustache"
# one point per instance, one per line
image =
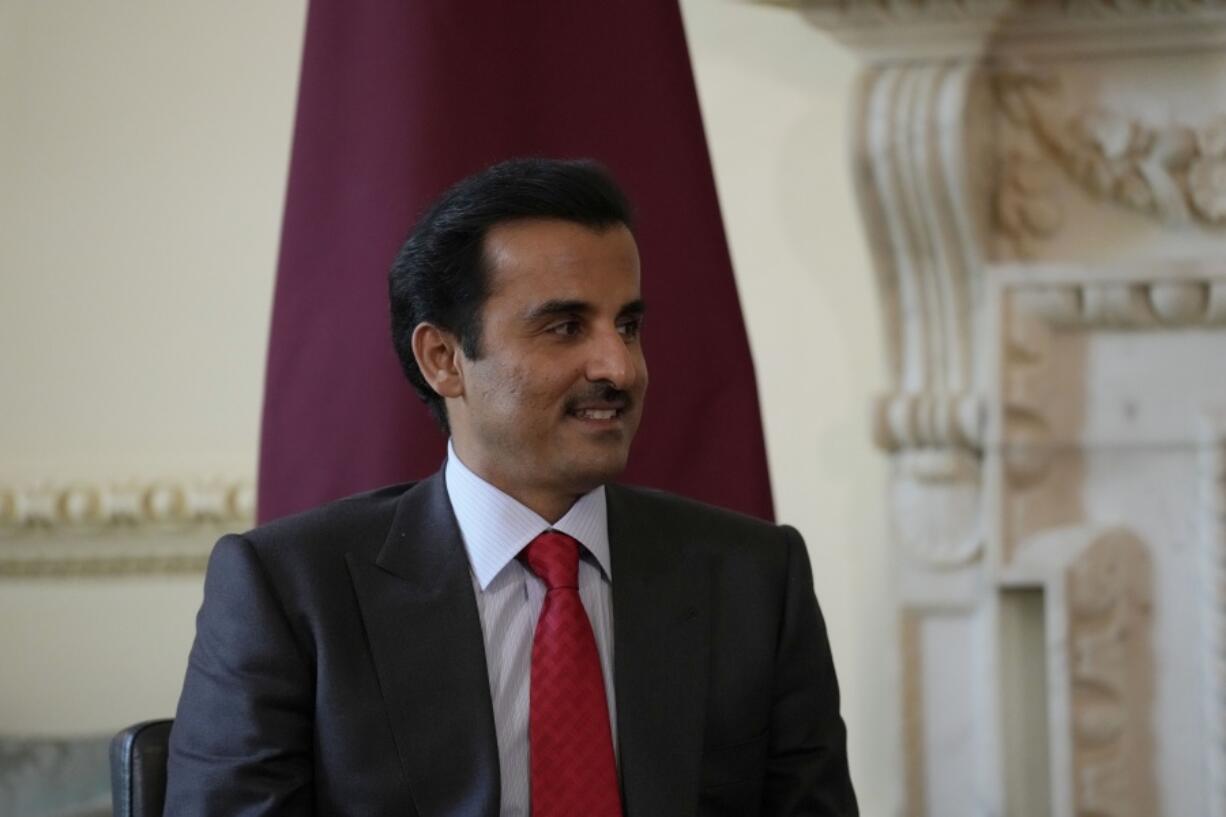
(600, 393)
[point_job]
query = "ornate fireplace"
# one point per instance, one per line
(1044, 187)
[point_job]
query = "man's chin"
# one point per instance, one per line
(591, 474)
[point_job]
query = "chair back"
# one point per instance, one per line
(138, 769)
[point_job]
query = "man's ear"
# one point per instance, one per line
(438, 352)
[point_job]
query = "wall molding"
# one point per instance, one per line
(84, 506)
(1154, 304)
(79, 563)
(118, 527)
(883, 30)
(885, 11)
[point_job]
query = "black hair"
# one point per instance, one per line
(440, 274)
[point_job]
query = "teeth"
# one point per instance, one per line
(598, 414)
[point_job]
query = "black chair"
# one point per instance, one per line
(138, 769)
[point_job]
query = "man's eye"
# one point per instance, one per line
(630, 329)
(566, 328)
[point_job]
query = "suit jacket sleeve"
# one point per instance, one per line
(807, 771)
(241, 742)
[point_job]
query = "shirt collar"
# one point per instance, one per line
(495, 527)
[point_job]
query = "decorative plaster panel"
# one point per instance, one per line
(1111, 673)
(1173, 171)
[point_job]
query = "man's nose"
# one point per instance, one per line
(611, 359)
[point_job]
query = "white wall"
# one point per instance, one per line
(143, 153)
(143, 149)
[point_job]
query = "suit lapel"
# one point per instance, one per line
(425, 635)
(660, 651)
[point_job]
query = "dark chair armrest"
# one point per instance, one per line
(138, 769)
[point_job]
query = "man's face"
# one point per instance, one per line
(553, 401)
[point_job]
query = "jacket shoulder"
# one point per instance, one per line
(359, 521)
(690, 517)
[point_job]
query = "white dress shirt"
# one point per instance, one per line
(495, 528)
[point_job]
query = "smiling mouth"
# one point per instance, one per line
(602, 406)
(597, 414)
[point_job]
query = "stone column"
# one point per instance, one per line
(1044, 186)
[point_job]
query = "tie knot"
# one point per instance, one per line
(554, 558)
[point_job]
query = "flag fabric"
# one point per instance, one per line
(398, 99)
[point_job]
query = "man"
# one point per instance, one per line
(515, 634)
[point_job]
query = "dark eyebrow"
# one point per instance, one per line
(635, 309)
(556, 307)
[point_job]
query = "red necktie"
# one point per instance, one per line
(573, 771)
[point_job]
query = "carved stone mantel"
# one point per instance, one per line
(889, 30)
(1043, 185)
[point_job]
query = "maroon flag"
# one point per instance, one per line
(401, 98)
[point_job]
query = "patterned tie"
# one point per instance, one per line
(573, 771)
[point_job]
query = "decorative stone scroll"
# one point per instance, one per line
(914, 136)
(914, 180)
(927, 420)
(935, 507)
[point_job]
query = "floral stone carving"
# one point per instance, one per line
(1177, 172)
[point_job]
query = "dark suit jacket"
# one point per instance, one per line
(339, 668)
